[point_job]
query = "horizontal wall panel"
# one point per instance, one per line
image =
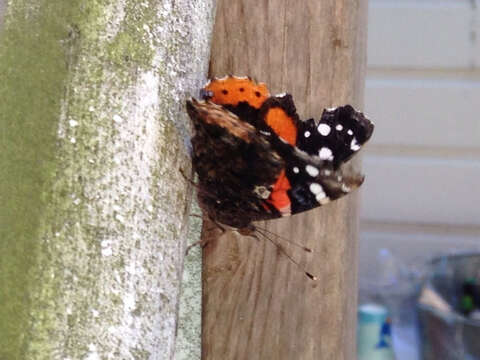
(419, 34)
(412, 248)
(424, 112)
(421, 190)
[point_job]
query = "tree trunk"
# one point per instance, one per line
(93, 205)
(257, 304)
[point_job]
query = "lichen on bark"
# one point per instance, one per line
(93, 206)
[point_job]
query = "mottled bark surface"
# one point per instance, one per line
(188, 345)
(93, 206)
(257, 304)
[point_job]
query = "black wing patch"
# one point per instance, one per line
(339, 134)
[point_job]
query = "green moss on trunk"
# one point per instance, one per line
(33, 70)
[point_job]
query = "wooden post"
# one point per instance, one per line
(257, 305)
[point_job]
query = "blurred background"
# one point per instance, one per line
(421, 197)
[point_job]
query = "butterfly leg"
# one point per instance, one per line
(202, 243)
(205, 240)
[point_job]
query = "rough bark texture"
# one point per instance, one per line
(188, 345)
(257, 304)
(93, 206)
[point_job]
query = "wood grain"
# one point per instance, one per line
(256, 303)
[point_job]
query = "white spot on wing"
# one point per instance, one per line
(350, 132)
(316, 188)
(345, 188)
(281, 95)
(339, 127)
(306, 134)
(296, 170)
(325, 153)
(311, 170)
(354, 145)
(324, 129)
(266, 133)
(320, 195)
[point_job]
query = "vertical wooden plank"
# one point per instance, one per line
(257, 305)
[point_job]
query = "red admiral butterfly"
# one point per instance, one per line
(256, 160)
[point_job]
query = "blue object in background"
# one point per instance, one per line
(385, 334)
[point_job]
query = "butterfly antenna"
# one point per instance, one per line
(307, 249)
(282, 250)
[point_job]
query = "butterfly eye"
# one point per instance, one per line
(206, 94)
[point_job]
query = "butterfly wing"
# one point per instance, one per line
(313, 175)
(235, 166)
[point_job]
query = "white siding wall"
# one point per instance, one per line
(422, 191)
